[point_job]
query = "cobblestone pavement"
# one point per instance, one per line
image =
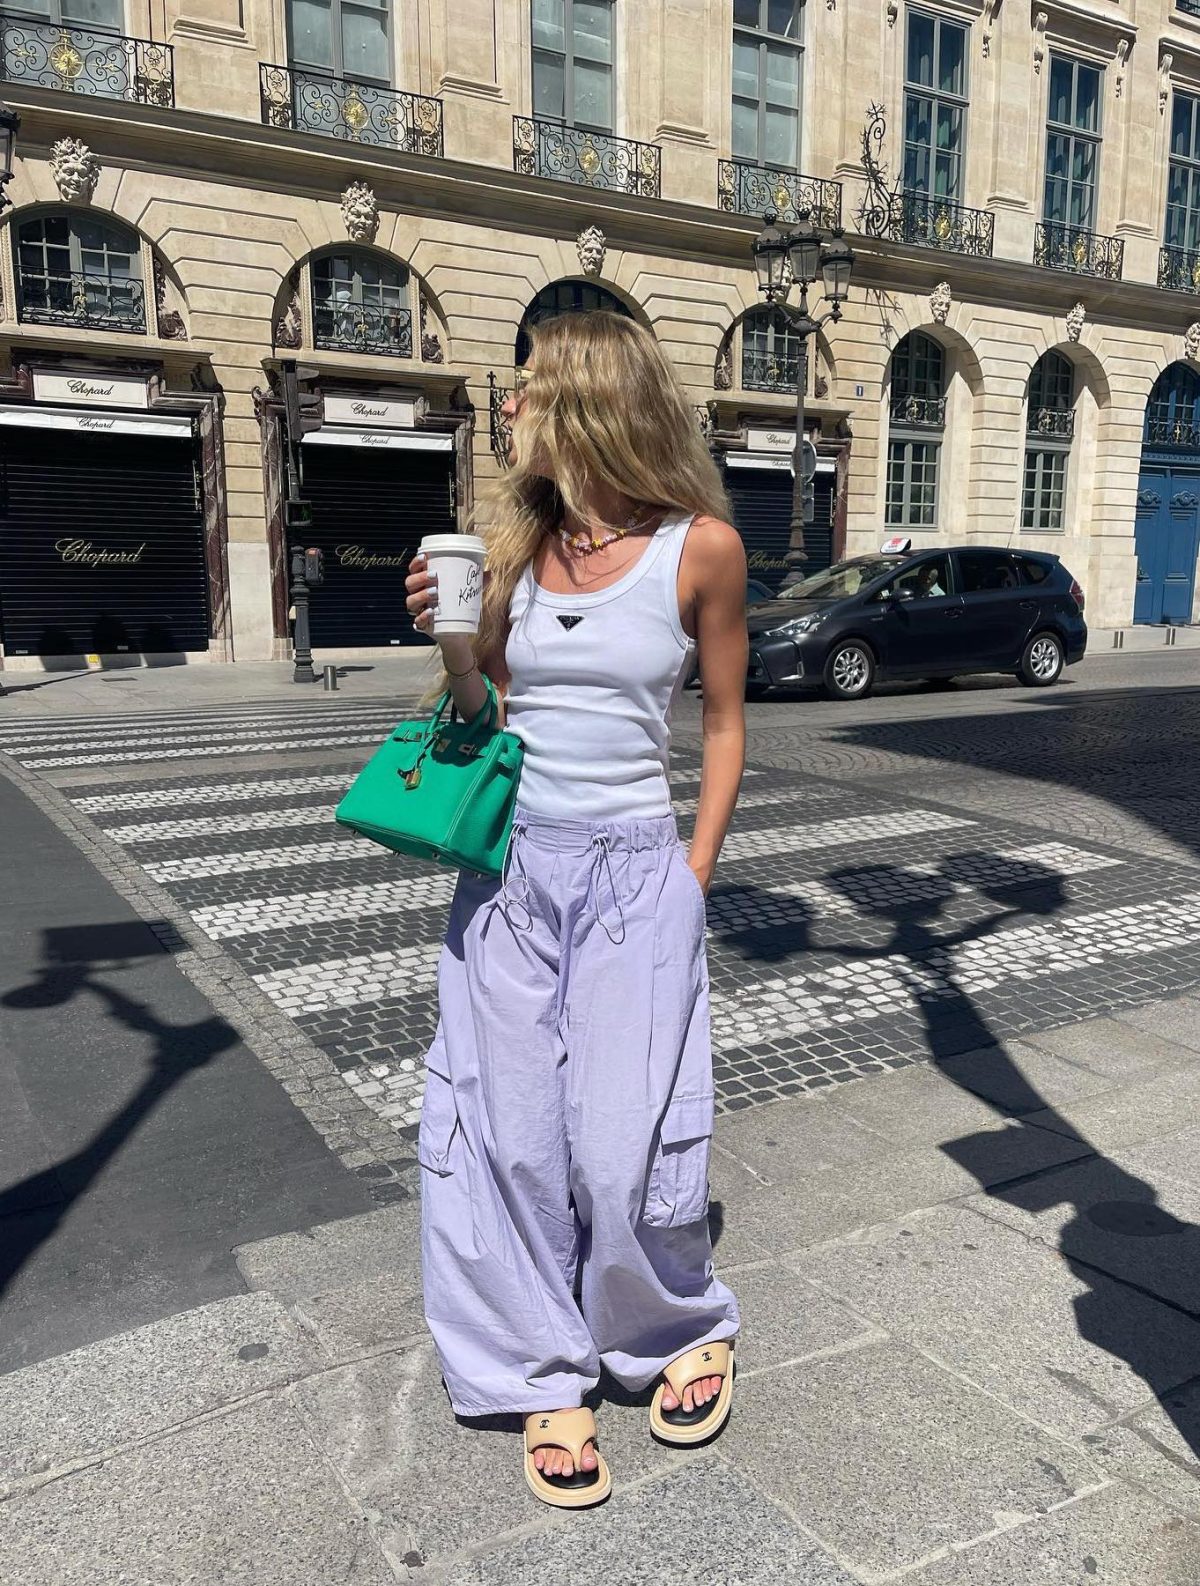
(897, 883)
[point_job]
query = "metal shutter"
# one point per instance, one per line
(762, 512)
(69, 499)
(370, 510)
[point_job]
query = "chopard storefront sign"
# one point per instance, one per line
(89, 555)
(770, 440)
(77, 390)
(370, 412)
(358, 556)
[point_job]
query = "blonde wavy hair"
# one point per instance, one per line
(602, 405)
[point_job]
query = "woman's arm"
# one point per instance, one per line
(713, 574)
(464, 674)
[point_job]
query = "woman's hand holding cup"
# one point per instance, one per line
(421, 587)
(444, 594)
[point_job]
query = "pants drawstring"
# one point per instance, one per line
(603, 861)
(508, 897)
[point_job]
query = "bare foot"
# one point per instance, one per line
(695, 1396)
(558, 1462)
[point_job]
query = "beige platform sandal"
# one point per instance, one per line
(572, 1430)
(686, 1427)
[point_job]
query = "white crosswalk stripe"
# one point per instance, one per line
(130, 728)
(881, 987)
(289, 910)
(316, 815)
(200, 752)
(135, 798)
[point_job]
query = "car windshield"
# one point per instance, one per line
(835, 583)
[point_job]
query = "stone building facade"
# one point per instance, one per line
(391, 192)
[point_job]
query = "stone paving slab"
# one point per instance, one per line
(335, 1254)
(1103, 1214)
(887, 1459)
(644, 1538)
(364, 1316)
(441, 1486)
(812, 1209)
(242, 1498)
(785, 1318)
(1115, 1538)
(1157, 1450)
(1024, 1077)
(1000, 1310)
(126, 1388)
(1125, 1118)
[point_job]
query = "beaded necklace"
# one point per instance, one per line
(586, 545)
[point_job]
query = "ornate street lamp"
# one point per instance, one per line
(800, 257)
(10, 124)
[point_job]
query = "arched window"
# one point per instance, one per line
(1050, 428)
(1173, 411)
(564, 297)
(916, 425)
(73, 269)
(770, 351)
(361, 304)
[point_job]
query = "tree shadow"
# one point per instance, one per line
(1109, 1207)
(76, 960)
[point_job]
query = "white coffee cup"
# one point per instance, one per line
(457, 559)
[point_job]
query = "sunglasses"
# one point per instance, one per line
(521, 379)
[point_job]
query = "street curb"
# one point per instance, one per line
(308, 1076)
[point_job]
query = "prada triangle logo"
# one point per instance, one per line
(570, 622)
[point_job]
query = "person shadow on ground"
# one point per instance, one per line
(1117, 1240)
(78, 963)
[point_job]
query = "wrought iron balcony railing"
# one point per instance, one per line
(338, 107)
(1082, 252)
(86, 61)
(927, 222)
(919, 412)
(747, 189)
(590, 159)
(1058, 423)
(363, 327)
(499, 428)
(1172, 432)
(768, 371)
(91, 302)
(1179, 268)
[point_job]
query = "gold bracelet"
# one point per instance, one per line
(474, 667)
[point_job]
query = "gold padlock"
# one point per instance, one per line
(412, 778)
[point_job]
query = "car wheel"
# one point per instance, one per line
(1042, 662)
(849, 671)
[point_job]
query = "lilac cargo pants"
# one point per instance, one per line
(567, 1118)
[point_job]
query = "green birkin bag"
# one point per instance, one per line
(441, 789)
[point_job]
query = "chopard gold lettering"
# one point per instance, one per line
(357, 556)
(89, 555)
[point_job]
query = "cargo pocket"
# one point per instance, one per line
(678, 1188)
(439, 1120)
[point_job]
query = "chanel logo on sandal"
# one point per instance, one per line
(706, 1355)
(542, 1425)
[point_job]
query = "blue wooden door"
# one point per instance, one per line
(1166, 538)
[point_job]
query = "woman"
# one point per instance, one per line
(569, 1104)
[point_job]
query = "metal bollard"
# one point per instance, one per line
(331, 679)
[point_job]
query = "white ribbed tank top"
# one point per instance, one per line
(594, 677)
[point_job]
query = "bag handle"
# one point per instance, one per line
(490, 708)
